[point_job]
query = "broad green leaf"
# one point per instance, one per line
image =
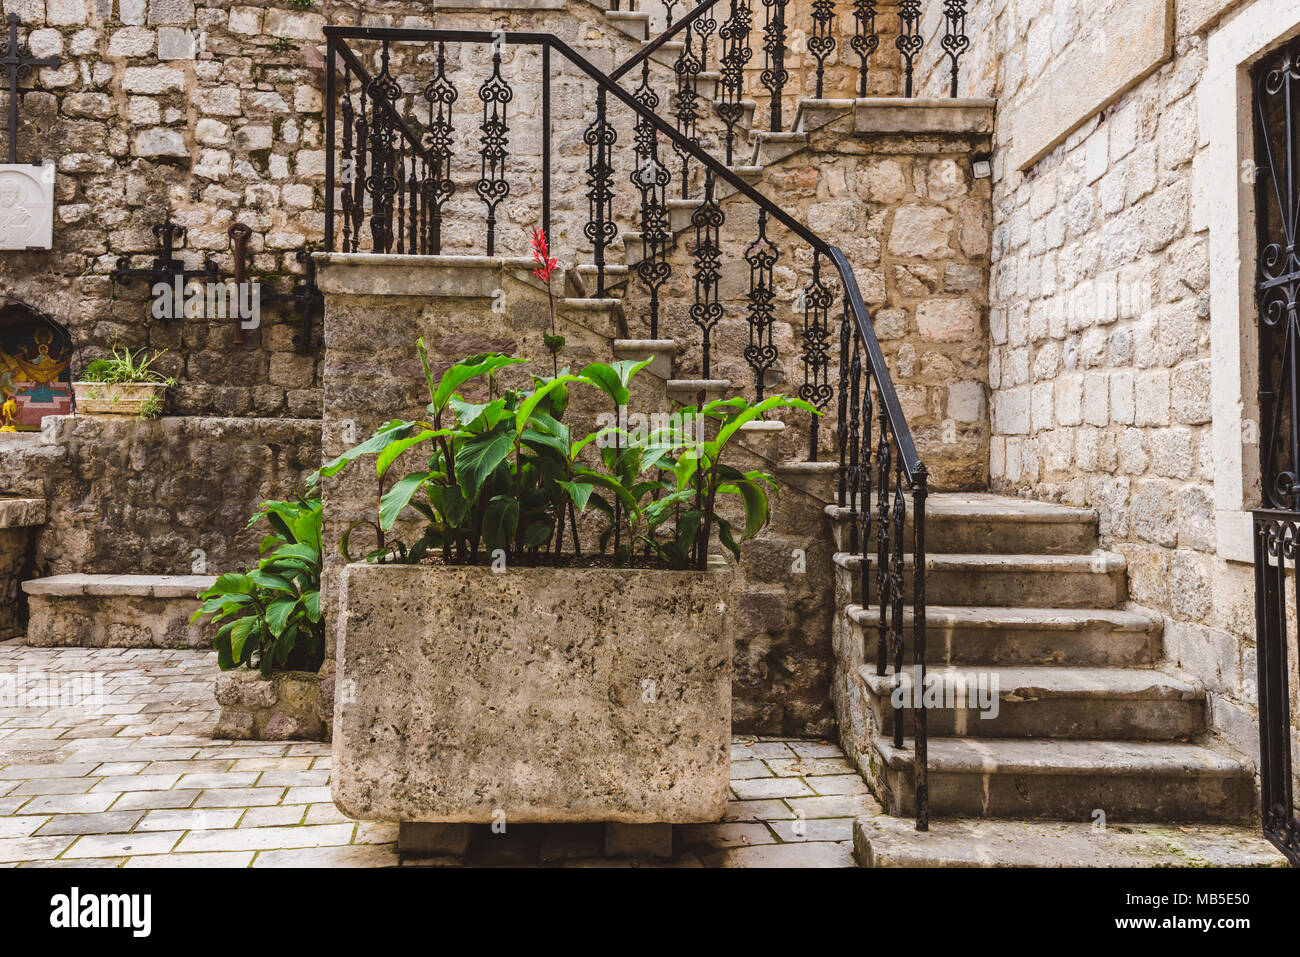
(397, 497)
(388, 433)
(478, 458)
(526, 408)
(389, 455)
(463, 372)
(580, 492)
(277, 614)
(500, 520)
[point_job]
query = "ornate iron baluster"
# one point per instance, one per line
(686, 106)
(349, 163)
(706, 310)
(651, 179)
(440, 93)
(774, 75)
(855, 439)
(762, 256)
(668, 12)
(359, 175)
(865, 471)
(897, 520)
(822, 42)
(842, 430)
(736, 54)
(704, 27)
(383, 183)
(884, 453)
(920, 729)
(865, 40)
(600, 229)
(491, 186)
(955, 41)
(909, 40)
(816, 357)
(399, 178)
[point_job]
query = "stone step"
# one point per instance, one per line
(1129, 781)
(974, 523)
(633, 23)
(1121, 704)
(884, 841)
(1033, 581)
(116, 611)
(697, 392)
(1021, 636)
(662, 351)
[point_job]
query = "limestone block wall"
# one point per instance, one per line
(169, 496)
(1100, 324)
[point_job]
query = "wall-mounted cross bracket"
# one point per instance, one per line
(306, 297)
(17, 63)
(167, 266)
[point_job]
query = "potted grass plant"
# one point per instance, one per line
(548, 640)
(123, 383)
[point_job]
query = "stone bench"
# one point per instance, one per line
(116, 611)
(19, 517)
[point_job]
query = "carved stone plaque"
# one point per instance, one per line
(26, 206)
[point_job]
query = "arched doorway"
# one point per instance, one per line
(35, 364)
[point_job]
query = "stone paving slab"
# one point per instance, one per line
(131, 777)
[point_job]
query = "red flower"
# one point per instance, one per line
(546, 265)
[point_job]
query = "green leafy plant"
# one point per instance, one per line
(282, 45)
(125, 366)
(269, 615)
(150, 408)
(502, 476)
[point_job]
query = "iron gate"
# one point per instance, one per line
(1276, 83)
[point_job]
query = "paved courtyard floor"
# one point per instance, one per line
(121, 771)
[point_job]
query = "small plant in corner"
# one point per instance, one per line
(282, 45)
(269, 615)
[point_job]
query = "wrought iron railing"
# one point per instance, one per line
(740, 39)
(395, 173)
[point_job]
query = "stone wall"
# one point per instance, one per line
(19, 519)
(168, 496)
(1100, 323)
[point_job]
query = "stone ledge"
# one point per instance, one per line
(386, 274)
(23, 512)
(896, 114)
(126, 586)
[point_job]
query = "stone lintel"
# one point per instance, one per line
(127, 586)
(897, 114)
(23, 512)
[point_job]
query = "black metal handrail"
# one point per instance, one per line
(895, 461)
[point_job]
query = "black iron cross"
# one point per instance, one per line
(17, 62)
(306, 297)
(167, 266)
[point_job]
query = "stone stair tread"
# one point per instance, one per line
(1060, 756)
(23, 512)
(1039, 619)
(144, 586)
(1058, 681)
(1101, 562)
(990, 508)
(884, 841)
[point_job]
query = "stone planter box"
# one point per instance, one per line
(544, 695)
(115, 398)
(285, 707)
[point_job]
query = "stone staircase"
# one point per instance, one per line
(1093, 731)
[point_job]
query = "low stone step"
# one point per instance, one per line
(884, 841)
(695, 392)
(1021, 636)
(662, 351)
(975, 523)
(1128, 781)
(633, 23)
(1121, 704)
(116, 611)
(1033, 581)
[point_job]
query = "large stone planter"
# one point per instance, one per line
(537, 695)
(116, 398)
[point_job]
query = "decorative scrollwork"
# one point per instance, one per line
(955, 42)
(816, 358)
(491, 185)
(774, 76)
(909, 41)
(706, 310)
(762, 256)
(686, 106)
(822, 42)
(600, 230)
(736, 54)
(440, 93)
(865, 40)
(651, 178)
